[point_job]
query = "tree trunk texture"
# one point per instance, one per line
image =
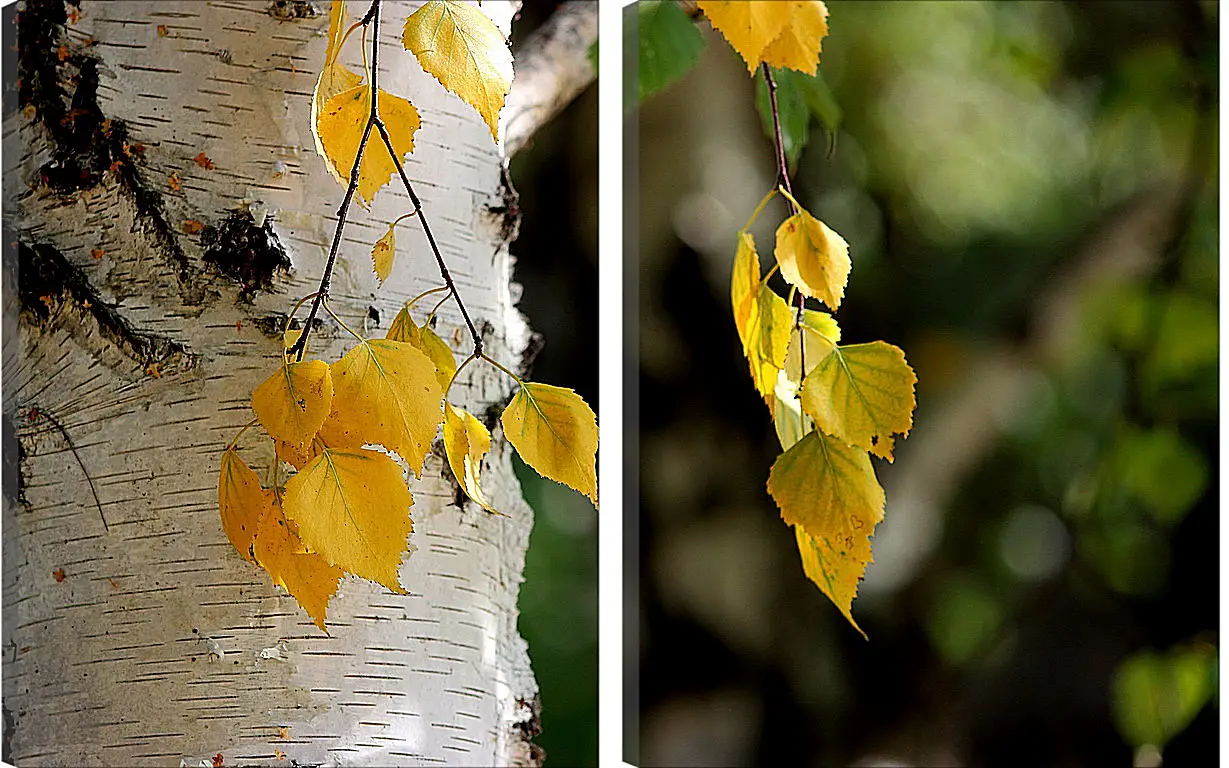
(152, 291)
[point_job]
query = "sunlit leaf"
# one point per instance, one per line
(426, 341)
(813, 258)
(353, 509)
(382, 253)
(863, 394)
(798, 45)
(241, 501)
(828, 489)
(744, 283)
(293, 402)
(296, 455)
(466, 441)
(749, 25)
(342, 121)
(463, 49)
(555, 432)
(767, 341)
(385, 392)
(334, 77)
(305, 575)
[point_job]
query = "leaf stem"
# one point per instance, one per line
(457, 372)
(493, 362)
(410, 304)
(341, 322)
(235, 440)
(434, 309)
(756, 213)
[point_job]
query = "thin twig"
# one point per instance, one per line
(37, 412)
(783, 180)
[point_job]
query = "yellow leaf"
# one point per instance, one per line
(382, 254)
(426, 341)
(817, 335)
(465, 51)
(555, 432)
(749, 25)
(768, 329)
(385, 392)
(305, 575)
(466, 441)
(293, 403)
(813, 258)
(744, 283)
(241, 501)
(353, 508)
(829, 489)
(334, 78)
(862, 394)
(340, 127)
(296, 455)
(799, 44)
(289, 339)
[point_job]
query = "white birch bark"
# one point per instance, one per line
(160, 644)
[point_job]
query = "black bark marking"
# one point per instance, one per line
(508, 210)
(246, 253)
(10, 725)
(48, 281)
(37, 413)
(272, 325)
(63, 93)
(528, 728)
(291, 10)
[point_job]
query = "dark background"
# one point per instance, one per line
(556, 266)
(1030, 194)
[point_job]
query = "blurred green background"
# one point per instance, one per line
(1030, 195)
(556, 268)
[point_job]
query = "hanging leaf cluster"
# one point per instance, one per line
(347, 437)
(833, 405)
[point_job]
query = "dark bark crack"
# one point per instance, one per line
(48, 282)
(247, 253)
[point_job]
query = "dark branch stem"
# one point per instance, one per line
(37, 412)
(783, 180)
(374, 121)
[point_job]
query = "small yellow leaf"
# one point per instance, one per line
(340, 127)
(829, 489)
(290, 338)
(305, 575)
(463, 49)
(293, 402)
(466, 441)
(813, 258)
(353, 508)
(296, 456)
(382, 254)
(241, 501)
(334, 77)
(426, 341)
(768, 330)
(749, 25)
(799, 44)
(863, 394)
(555, 432)
(385, 392)
(817, 334)
(744, 283)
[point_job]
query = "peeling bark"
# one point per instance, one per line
(152, 291)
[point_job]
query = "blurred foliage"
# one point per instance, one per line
(556, 275)
(1030, 195)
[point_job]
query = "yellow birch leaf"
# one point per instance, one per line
(334, 77)
(768, 330)
(289, 339)
(863, 394)
(744, 283)
(466, 441)
(296, 456)
(305, 575)
(829, 489)
(340, 126)
(813, 258)
(353, 509)
(293, 402)
(385, 392)
(241, 502)
(463, 49)
(749, 25)
(817, 334)
(555, 432)
(426, 341)
(382, 254)
(799, 44)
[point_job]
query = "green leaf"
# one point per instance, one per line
(791, 107)
(1156, 696)
(670, 45)
(1166, 473)
(820, 100)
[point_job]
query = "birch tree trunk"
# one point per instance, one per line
(152, 291)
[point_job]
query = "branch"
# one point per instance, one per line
(552, 68)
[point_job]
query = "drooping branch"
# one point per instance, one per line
(552, 68)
